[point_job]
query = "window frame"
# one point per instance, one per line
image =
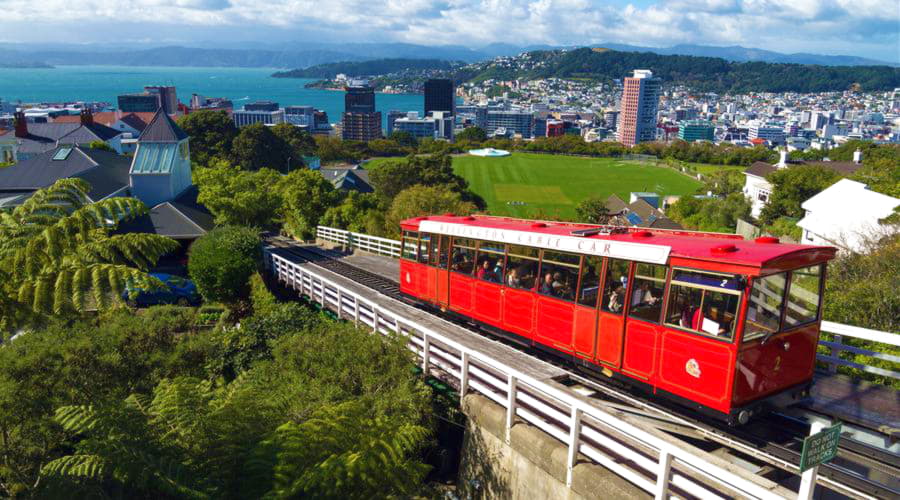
(705, 288)
(581, 276)
(430, 247)
(781, 308)
(404, 238)
(474, 250)
(787, 292)
(537, 263)
(540, 274)
(629, 264)
(629, 292)
(502, 256)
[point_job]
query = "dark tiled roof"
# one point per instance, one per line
(355, 178)
(134, 121)
(162, 129)
(760, 169)
(51, 130)
(107, 172)
(86, 134)
(181, 218)
(664, 223)
(615, 205)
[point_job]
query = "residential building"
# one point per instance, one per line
(611, 119)
(91, 131)
(257, 113)
(518, 122)
(354, 178)
(33, 139)
(846, 215)
(440, 95)
(639, 212)
(758, 189)
(638, 107)
(360, 121)
(696, 130)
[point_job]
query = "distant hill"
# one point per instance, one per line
(306, 54)
(369, 68)
(707, 74)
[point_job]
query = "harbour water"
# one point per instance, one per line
(241, 85)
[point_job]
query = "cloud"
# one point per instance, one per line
(863, 27)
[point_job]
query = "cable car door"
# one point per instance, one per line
(611, 318)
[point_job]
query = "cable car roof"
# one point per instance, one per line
(658, 246)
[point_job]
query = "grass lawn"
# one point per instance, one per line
(706, 168)
(555, 184)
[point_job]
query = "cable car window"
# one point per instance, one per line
(704, 303)
(764, 306)
(462, 258)
(521, 267)
(410, 242)
(647, 292)
(803, 296)
(444, 252)
(614, 285)
(490, 261)
(424, 247)
(589, 289)
(559, 274)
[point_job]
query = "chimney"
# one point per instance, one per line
(782, 159)
(857, 157)
(87, 117)
(21, 124)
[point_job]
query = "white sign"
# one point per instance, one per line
(641, 252)
(710, 326)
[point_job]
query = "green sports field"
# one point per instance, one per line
(524, 185)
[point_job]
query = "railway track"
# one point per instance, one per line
(774, 440)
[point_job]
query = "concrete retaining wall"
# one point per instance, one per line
(531, 465)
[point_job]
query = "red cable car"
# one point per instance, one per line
(719, 324)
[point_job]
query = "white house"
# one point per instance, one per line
(845, 215)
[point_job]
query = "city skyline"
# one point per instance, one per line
(867, 29)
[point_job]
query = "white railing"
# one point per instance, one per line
(391, 248)
(653, 463)
(842, 332)
(364, 242)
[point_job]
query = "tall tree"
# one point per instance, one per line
(306, 196)
(239, 197)
(593, 210)
(58, 252)
(256, 147)
(299, 144)
(211, 133)
(425, 200)
(792, 186)
(473, 134)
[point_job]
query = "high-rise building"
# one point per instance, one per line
(640, 103)
(138, 103)
(168, 100)
(440, 96)
(696, 130)
(360, 121)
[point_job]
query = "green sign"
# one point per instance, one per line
(820, 447)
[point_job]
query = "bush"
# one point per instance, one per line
(262, 299)
(221, 262)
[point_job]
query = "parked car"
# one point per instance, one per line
(178, 290)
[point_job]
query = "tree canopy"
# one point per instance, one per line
(221, 262)
(211, 133)
(792, 186)
(239, 197)
(257, 146)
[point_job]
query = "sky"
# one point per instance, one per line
(868, 28)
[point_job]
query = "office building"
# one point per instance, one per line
(391, 116)
(512, 121)
(639, 105)
(611, 119)
(360, 121)
(419, 127)
(444, 124)
(440, 95)
(168, 100)
(261, 106)
(300, 116)
(696, 130)
(244, 117)
(215, 103)
(138, 103)
(772, 133)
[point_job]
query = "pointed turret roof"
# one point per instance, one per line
(162, 129)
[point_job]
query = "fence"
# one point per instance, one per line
(658, 466)
(391, 248)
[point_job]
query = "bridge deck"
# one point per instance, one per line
(872, 406)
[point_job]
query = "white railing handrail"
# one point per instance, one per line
(584, 427)
(841, 331)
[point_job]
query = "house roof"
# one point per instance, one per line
(615, 205)
(763, 169)
(86, 134)
(162, 129)
(827, 214)
(136, 120)
(356, 178)
(181, 218)
(41, 136)
(107, 172)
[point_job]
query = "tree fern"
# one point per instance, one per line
(56, 250)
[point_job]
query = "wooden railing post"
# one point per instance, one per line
(511, 386)
(463, 374)
(426, 348)
(835, 352)
(663, 475)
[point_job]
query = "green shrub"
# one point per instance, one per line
(262, 299)
(221, 262)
